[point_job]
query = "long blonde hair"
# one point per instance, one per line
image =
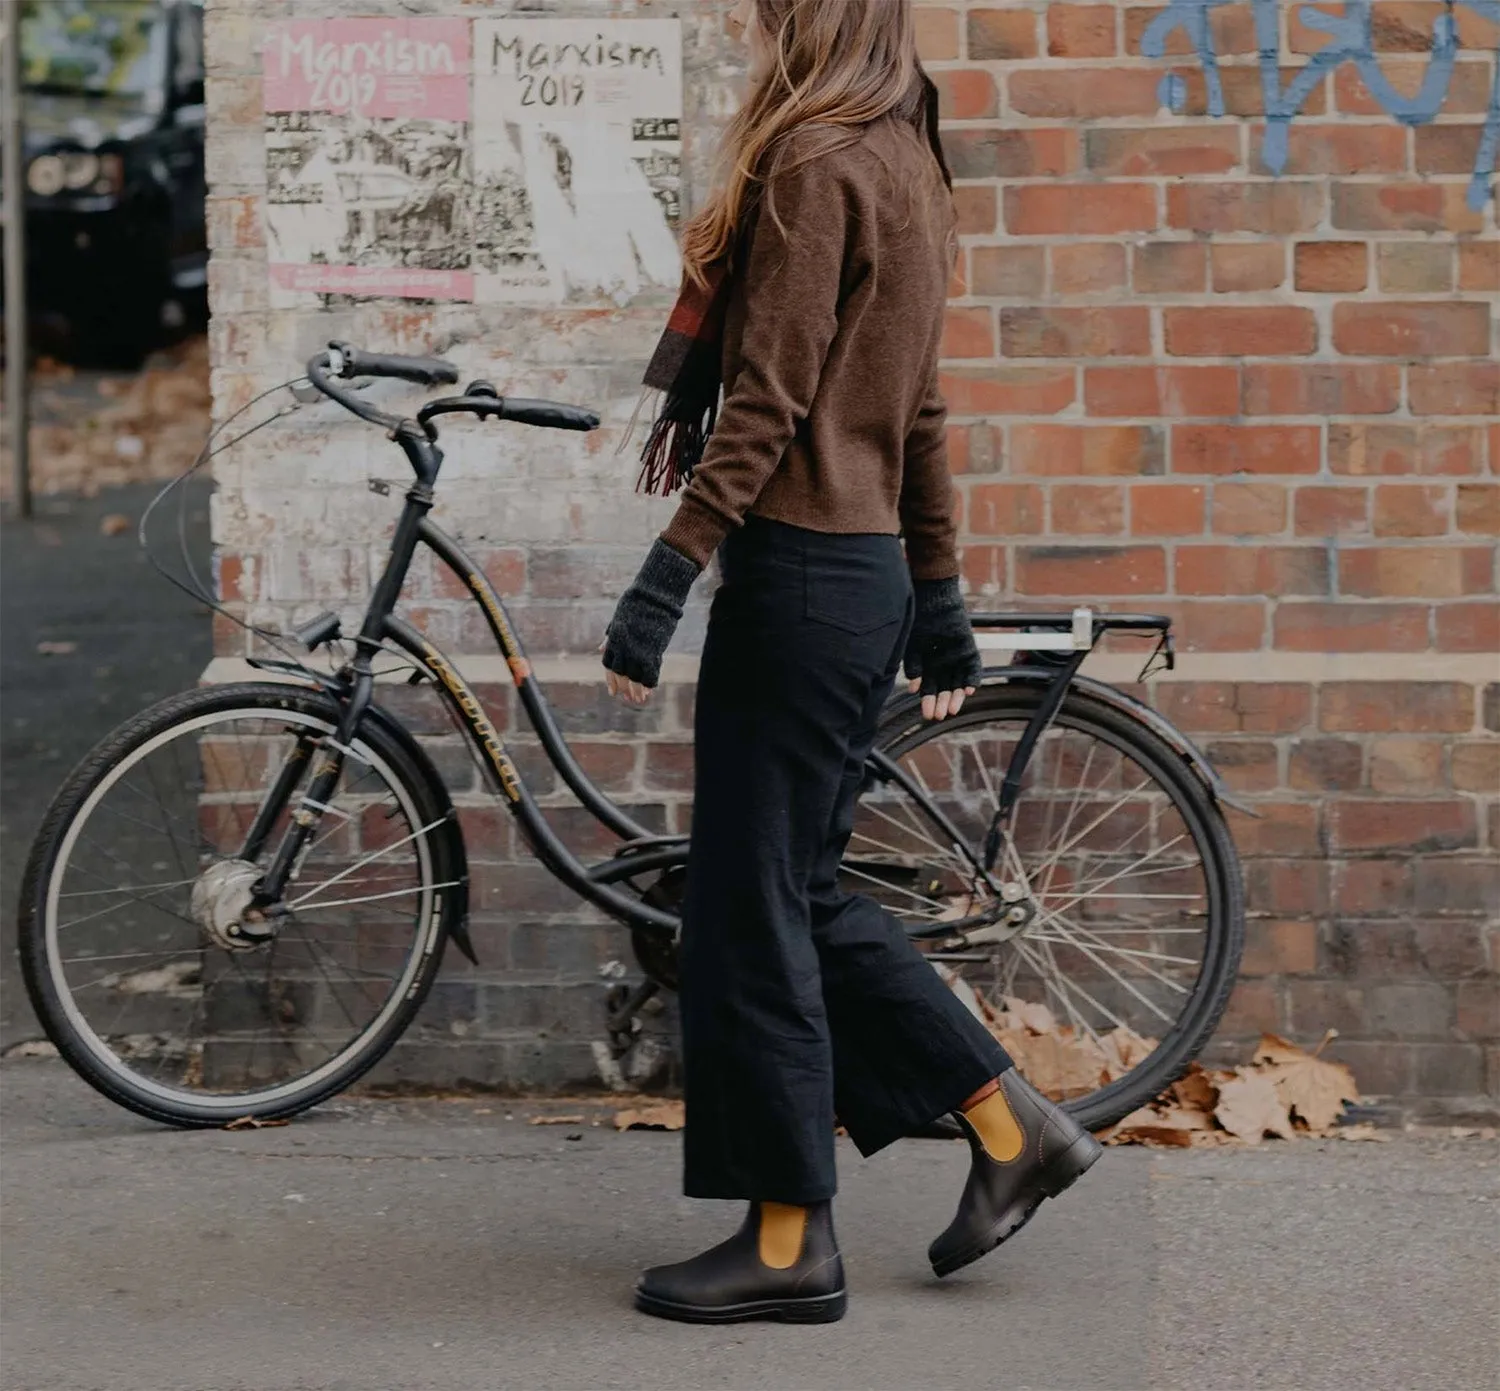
(838, 65)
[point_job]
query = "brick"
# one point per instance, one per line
(1280, 947)
(1218, 625)
(1321, 388)
(937, 32)
(1247, 765)
(1331, 511)
(1478, 508)
(1421, 826)
(1287, 887)
(1468, 89)
(1404, 449)
(1345, 148)
(1396, 707)
(977, 209)
(1412, 509)
(1325, 765)
(975, 449)
(1406, 765)
(1331, 267)
(1406, 26)
(1244, 268)
(1161, 391)
(1246, 448)
(1251, 570)
(1230, 707)
(1083, 93)
(1460, 886)
(1087, 509)
(1006, 509)
(1431, 572)
(1402, 207)
(669, 767)
(1270, 331)
(1421, 329)
(1087, 268)
(984, 568)
(1373, 886)
(1477, 1004)
(1343, 626)
(1393, 949)
(1285, 828)
(1467, 627)
(1254, 1008)
(990, 152)
(610, 766)
(968, 333)
(1166, 509)
(1418, 1009)
(1060, 450)
(1008, 390)
(1455, 388)
(1243, 91)
(1047, 209)
(1168, 267)
(1081, 31)
(1002, 34)
(1104, 331)
(1479, 265)
(1476, 766)
(1270, 208)
(1090, 570)
(1249, 509)
(1447, 149)
(1168, 151)
(966, 94)
(1414, 268)
(1007, 270)
(1232, 29)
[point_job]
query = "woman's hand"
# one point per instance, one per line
(643, 624)
(942, 658)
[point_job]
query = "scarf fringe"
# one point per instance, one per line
(672, 451)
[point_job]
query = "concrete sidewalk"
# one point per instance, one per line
(448, 1244)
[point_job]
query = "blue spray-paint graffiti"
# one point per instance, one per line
(1350, 40)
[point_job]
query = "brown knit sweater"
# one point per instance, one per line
(832, 419)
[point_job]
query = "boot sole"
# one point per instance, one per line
(822, 1308)
(1056, 1178)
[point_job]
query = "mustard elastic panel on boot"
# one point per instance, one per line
(782, 1227)
(999, 1131)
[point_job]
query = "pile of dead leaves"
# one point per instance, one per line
(1284, 1092)
(124, 428)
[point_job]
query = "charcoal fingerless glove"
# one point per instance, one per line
(647, 615)
(941, 650)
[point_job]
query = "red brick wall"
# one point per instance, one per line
(1268, 406)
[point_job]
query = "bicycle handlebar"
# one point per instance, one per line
(425, 371)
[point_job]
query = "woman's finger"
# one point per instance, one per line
(612, 682)
(958, 702)
(943, 701)
(914, 685)
(929, 704)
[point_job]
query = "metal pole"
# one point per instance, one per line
(16, 351)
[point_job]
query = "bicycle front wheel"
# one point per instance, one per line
(143, 870)
(1119, 917)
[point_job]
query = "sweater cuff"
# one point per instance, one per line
(695, 532)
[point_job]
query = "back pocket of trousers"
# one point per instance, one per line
(855, 604)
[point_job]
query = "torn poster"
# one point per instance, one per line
(522, 161)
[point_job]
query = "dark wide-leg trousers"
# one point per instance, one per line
(800, 1001)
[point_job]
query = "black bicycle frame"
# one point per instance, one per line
(641, 851)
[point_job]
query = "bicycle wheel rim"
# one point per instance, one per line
(1200, 1002)
(292, 1093)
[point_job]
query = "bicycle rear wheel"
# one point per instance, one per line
(1116, 868)
(140, 875)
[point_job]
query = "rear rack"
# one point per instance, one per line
(1077, 632)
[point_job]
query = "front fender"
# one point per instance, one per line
(900, 713)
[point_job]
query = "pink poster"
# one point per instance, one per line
(370, 67)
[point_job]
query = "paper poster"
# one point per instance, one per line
(503, 160)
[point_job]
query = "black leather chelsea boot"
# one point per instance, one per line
(733, 1282)
(1050, 1152)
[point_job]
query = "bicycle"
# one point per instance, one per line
(271, 870)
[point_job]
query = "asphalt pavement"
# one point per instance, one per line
(448, 1245)
(89, 634)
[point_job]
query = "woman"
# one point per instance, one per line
(817, 274)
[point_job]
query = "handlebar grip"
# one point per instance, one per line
(550, 415)
(427, 371)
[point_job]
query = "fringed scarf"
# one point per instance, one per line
(686, 368)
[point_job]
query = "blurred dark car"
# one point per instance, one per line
(114, 123)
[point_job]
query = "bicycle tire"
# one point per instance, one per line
(902, 732)
(381, 737)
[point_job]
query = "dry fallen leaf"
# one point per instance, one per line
(1036, 1018)
(56, 649)
(1195, 1090)
(254, 1123)
(665, 1115)
(1250, 1108)
(1313, 1089)
(1363, 1131)
(556, 1120)
(115, 524)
